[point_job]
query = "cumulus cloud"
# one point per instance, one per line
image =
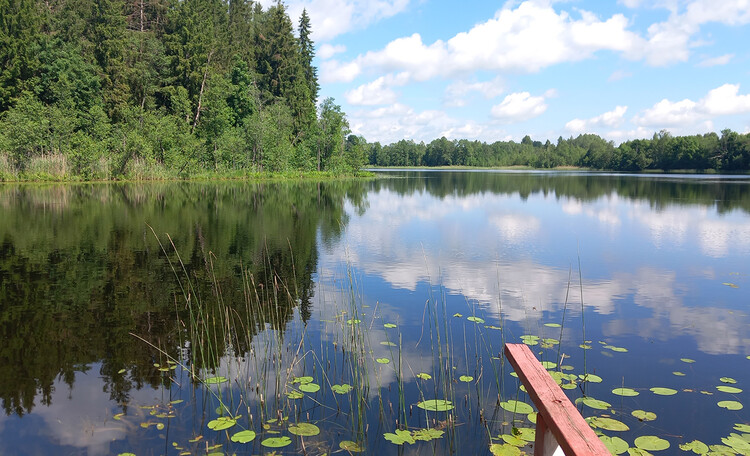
(611, 119)
(377, 92)
(619, 74)
(723, 100)
(518, 107)
(326, 51)
(716, 61)
(455, 93)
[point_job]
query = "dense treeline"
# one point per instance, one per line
(728, 152)
(146, 88)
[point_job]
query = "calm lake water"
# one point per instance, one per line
(138, 318)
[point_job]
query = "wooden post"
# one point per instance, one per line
(558, 421)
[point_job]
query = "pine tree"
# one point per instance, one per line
(20, 30)
(307, 53)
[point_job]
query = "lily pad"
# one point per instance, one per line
(527, 434)
(663, 391)
(737, 442)
(243, 437)
(591, 378)
(388, 344)
(475, 319)
(729, 389)
(615, 445)
(309, 387)
(513, 440)
(627, 392)
(644, 415)
(276, 442)
(353, 321)
(389, 325)
(696, 446)
(651, 443)
(457, 315)
(215, 380)
(383, 360)
(687, 360)
(596, 403)
(427, 434)
(549, 365)
(551, 341)
(730, 405)
(341, 389)
(294, 395)
(350, 446)
(727, 380)
(436, 405)
(304, 429)
(424, 376)
(608, 424)
(302, 380)
(516, 407)
(466, 378)
(399, 437)
(638, 452)
(678, 373)
(742, 427)
(552, 325)
(498, 449)
(221, 423)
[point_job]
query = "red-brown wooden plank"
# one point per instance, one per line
(572, 432)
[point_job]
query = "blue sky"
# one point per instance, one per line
(422, 69)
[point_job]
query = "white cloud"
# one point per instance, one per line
(377, 92)
(716, 61)
(619, 74)
(518, 107)
(326, 51)
(611, 119)
(723, 100)
(335, 71)
(455, 93)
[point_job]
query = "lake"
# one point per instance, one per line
(347, 316)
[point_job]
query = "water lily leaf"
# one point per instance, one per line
(627, 392)
(737, 443)
(302, 380)
(617, 349)
(615, 445)
(399, 437)
(389, 325)
(596, 403)
(742, 427)
(475, 319)
(304, 429)
(125, 454)
(424, 376)
(215, 380)
(513, 440)
(721, 450)
(243, 437)
(341, 389)
(663, 391)
(552, 325)
(551, 341)
(309, 387)
(729, 389)
(427, 434)
(221, 423)
(350, 446)
(585, 346)
(498, 449)
(458, 315)
(651, 443)
(591, 378)
(294, 395)
(516, 407)
(532, 417)
(569, 386)
(353, 321)
(276, 442)
(727, 380)
(492, 327)
(678, 373)
(549, 365)
(696, 446)
(730, 284)
(644, 415)
(609, 424)
(436, 405)
(529, 337)
(466, 378)
(687, 360)
(730, 405)
(638, 452)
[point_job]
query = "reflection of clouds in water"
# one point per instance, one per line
(515, 227)
(718, 237)
(605, 209)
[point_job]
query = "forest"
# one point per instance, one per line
(144, 89)
(728, 152)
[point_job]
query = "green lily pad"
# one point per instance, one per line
(596, 403)
(742, 427)
(492, 327)
(663, 391)
(383, 360)
(552, 325)
(585, 346)
(304, 429)
(309, 387)
(696, 446)
(627, 392)
(644, 415)
(294, 395)
(341, 389)
(388, 344)
(615, 445)
(527, 434)
(475, 319)
(436, 405)
(730, 405)
(651, 443)
(608, 424)
(729, 389)
(276, 442)
(638, 452)
(687, 360)
(591, 378)
(727, 380)
(221, 423)
(498, 449)
(513, 440)
(424, 376)
(516, 407)
(302, 380)
(427, 434)
(466, 378)
(399, 437)
(737, 442)
(551, 341)
(350, 446)
(243, 437)
(389, 325)
(215, 380)
(457, 315)
(532, 417)
(353, 321)
(549, 365)
(721, 450)
(678, 373)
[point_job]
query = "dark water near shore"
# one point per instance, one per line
(99, 286)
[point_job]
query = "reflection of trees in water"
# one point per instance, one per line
(726, 195)
(80, 270)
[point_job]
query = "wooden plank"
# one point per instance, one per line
(572, 432)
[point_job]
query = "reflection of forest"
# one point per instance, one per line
(659, 191)
(80, 270)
